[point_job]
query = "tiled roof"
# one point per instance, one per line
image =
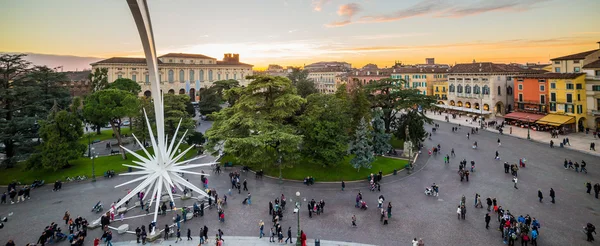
(133, 60)
(551, 76)
(577, 56)
(595, 64)
(183, 55)
(327, 69)
(403, 70)
(233, 63)
(488, 67)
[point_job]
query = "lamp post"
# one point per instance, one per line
(91, 157)
(298, 204)
(528, 126)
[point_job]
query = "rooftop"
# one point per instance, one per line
(133, 60)
(184, 55)
(551, 76)
(77, 76)
(402, 70)
(595, 64)
(577, 56)
(488, 67)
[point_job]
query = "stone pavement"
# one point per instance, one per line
(246, 241)
(578, 141)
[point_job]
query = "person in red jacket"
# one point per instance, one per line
(303, 238)
(96, 241)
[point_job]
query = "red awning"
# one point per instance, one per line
(524, 116)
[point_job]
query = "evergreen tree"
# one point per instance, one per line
(415, 122)
(362, 148)
(210, 101)
(381, 139)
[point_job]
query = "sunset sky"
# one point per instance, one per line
(297, 32)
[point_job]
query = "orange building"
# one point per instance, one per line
(531, 93)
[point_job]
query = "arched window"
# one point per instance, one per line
(486, 90)
(499, 91)
(227, 76)
(459, 89)
(201, 75)
(210, 75)
(476, 89)
(235, 76)
(468, 89)
(218, 76)
(171, 75)
(451, 88)
(181, 76)
(147, 78)
(509, 90)
(192, 75)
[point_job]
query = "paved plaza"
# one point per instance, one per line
(414, 214)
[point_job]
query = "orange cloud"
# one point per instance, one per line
(348, 11)
(318, 4)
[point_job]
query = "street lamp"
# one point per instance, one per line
(92, 157)
(297, 211)
(528, 126)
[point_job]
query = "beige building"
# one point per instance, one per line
(178, 73)
(325, 78)
(574, 63)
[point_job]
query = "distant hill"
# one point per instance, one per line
(69, 63)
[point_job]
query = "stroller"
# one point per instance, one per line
(428, 191)
(97, 208)
(522, 162)
(363, 205)
(475, 145)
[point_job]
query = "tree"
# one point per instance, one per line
(257, 129)
(139, 127)
(306, 88)
(415, 121)
(26, 96)
(381, 139)
(111, 105)
(390, 95)
(232, 95)
(60, 134)
(222, 85)
(324, 126)
(195, 138)
(126, 85)
(361, 107)
(175, 110)
(209, 101)
(99, 79)
(303, 84)
(362, 147)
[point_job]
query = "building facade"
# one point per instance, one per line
(365, 76)
(592, 91)
(178, 73)
(531, 94)
(325, 78)
(423, 78)
(78, 82)
(483, 86)
(567, 96)
(333, 64)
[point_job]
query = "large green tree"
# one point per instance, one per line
(112, 106)
(139, 127)
(176, 110)
(126, 85)
(210, 101)
(304, 85)
(324, 126)
(222, 85)
(362, 147)
(257, 130)
(60, 134)
(99, 79)
(381, 139)
(26, 96)
(392, 97)
(361, 107)
(415, 121)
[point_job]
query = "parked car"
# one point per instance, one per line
(125, 123)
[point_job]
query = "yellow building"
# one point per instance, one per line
(567, 103)
(422, 79)
(440, 91)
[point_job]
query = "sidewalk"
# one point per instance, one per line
(578, 141)
(247, 241)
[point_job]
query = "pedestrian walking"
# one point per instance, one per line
(499, 144)
(588, 186)
(487, 220)
(452, 153)
(272, 237)
(354, 220)
(167, 229)
(463, 212)
(261, 226)
(540, 195)
(515, 181)
(178, 236)
(552, 195)
(458, 212)
(249, 197)
(489, 204)
(497, 156)
(189, 234)
(597, 189)
(245, 185)
(551, 144)
(343, 185)
(289, 235)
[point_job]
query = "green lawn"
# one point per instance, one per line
(397, 143)
(343, 171)
(82, 166)
(105, 135)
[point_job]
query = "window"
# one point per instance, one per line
(443, 89)
(519, 80)
(181, 75)
(576, 69)
(597, 73)
(191, 61)
(218, 76)
(520, 97)
(556, 62)
(578, 97)
(569, 86)
(235, 76)
(595, 87)
(580, 109)
(569, 108)
(437, 89)
(227, 76)
(133, 69)
(542, 99)
(170, 60)
(552, 106)
(557, 70)
(542, 87)
(119, 76)
(579, 86)
(147, 79)
(171, 75)
(598, 104)
(451, 88)
(459, 89)
(576, 61)
(486, 90)
(553, 97)
(424, 84)
(509, 90)
(476, 89)
(181, 61)
(499, 91)
(570, 98)
(210, 75)
(134, 77)
(119, 69)
(552, 85)
(192, 73)
(468, 89)
(424, 76)
(520, 87)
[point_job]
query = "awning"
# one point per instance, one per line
(556, 120)
(468, 110)
(521, 116)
